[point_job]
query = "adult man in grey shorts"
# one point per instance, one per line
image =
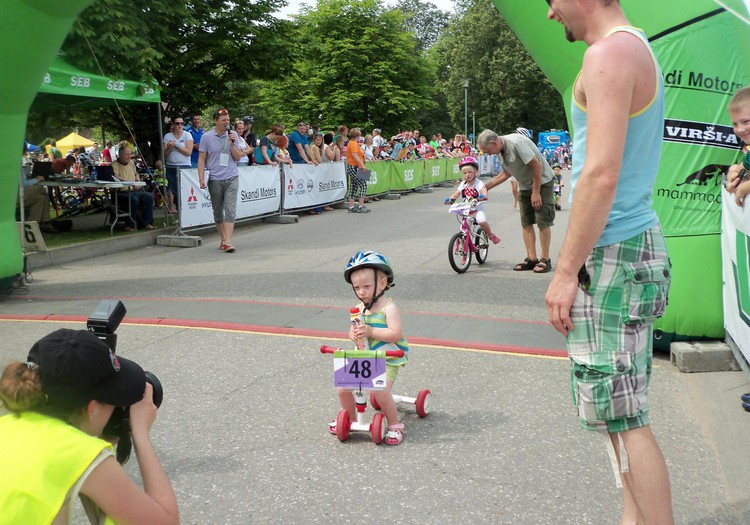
(521, 159)
(613, 274)
(219, 153)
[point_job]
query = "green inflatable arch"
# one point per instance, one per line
(704, 53)
(31, 33)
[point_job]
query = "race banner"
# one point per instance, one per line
(195, 203)
(699, 143)
(380, 177)
(453, 172)
(307, 186)
(407, 175)
(435, 171)
(258, 194)
(735, 248)
(259, 191)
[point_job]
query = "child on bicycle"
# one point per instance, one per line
(471, 188)
(558, 185)
(370, 275)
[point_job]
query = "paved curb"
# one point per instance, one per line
(708, 356)
(86, 250)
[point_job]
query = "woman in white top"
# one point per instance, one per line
(178, 145)
(369, 149)
(239, 127)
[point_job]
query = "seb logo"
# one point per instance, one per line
(47, 78)
(80, 81)
(435, 172)
(408, 175)
(113, 85)
(373, 177)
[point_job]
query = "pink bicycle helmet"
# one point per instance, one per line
(468, 161)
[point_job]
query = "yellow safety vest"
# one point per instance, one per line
(41, 458)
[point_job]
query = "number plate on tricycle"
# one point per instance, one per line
(359, 369)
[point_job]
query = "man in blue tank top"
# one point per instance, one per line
(613, 273)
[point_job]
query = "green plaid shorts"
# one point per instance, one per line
(623, 288)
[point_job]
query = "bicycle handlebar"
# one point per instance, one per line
(324, 349)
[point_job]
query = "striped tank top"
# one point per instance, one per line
(378, 320)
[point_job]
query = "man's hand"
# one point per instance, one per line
(560, 296)
(536, 200)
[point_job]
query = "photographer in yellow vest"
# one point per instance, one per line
(51, 450)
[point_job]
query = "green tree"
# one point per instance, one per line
(424, 19)
(506, 87)
(357, 66)
(201, 52)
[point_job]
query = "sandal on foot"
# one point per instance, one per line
(494, 238)
(332, 427)
(395, 434)
(526, 265)
(543, 266)
(228, 247)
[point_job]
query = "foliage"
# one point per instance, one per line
(506, 87)
(424, 19)
(341, 61)
(357, 67)
(199, 51)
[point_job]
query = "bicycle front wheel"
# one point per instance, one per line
(483, 246)
(458, 253)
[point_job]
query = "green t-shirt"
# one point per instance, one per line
(56, 153)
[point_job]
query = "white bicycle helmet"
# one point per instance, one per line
(523, 131)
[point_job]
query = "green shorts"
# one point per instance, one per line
(391, 371)
(622, 289)
(545, 217)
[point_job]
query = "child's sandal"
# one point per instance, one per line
(395, 434)
(332, 427)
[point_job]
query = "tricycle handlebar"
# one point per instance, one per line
(324, 349)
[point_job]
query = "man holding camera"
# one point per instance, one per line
(217, 169)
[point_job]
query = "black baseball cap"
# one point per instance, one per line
(76, 366)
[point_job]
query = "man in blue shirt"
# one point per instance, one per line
(196, 130)
(299, 146)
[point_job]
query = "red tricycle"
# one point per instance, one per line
(364, 371)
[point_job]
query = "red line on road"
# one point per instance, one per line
(282, 330)
(268, 303)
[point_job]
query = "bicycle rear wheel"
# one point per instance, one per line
(482, 243)
(458, 254)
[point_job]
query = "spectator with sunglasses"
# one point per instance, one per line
(219, 153)
(178, 146)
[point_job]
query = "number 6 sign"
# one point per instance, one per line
(358, 369)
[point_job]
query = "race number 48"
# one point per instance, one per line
(359, 369)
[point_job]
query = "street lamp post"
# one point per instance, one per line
(466, 107)
(474, 127)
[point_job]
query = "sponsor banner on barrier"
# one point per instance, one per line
(380, 178)
(195, 203)
(434, 171)
(306, 185)
(489, 165)
(258, 193)
(453, 171)
(407, 175)
(735, 248)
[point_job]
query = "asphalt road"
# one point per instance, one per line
(242, 431)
